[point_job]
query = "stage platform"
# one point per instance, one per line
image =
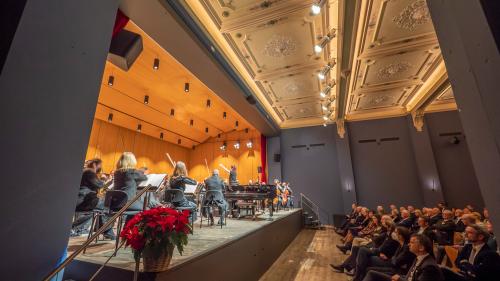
(248, 246)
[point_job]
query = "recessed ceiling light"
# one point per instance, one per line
(156, 64)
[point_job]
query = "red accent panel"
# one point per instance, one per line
(120, 21)
(263, 157)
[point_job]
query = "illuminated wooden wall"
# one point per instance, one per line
(246, 160)
(108, 141)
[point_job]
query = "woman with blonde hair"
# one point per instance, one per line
(179, 180)
(127, 178)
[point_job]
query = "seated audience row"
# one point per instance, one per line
(411, 244)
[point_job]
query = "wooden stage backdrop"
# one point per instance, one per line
(108, 141)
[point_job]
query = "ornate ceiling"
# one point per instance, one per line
(271, 44)
(396, 66)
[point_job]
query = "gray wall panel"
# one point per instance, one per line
(313, 170)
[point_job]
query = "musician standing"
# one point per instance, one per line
(233, 178)
(215, 183)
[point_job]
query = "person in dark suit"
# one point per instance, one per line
(476, 261)
(399, 263)
(424, 228)
(127, 178)
(215, 183)
(445, 229)
(435, 216)
(424, 268)
(179, 180)
(406, 220)
(360, 254)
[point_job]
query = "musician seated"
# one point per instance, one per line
(178, 181)
(88, 200)
(127, 178)
(215, 183)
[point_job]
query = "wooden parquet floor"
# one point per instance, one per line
(308, 258)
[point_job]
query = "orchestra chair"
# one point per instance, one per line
(212, 196)
(95, 216)
(113, 202)
(176, 195)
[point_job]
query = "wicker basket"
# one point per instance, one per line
(152, 264)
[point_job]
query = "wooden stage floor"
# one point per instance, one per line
(203, 240)
(308, 258)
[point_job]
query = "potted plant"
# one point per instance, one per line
(153, 234)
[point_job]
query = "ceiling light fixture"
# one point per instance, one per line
(324, 107)
(322, 74)
(316, 7)
(224, 115)
(325, 118)
(237, 145)
(325, 91)
(161, 135)
(139, 128)
(191, 122)
(249, 144)
(324, 124)
(146, 99)
(186, 87)
(110, 117)
(172, 112)
(223, 146)
(322, 43)
(209, 103)
(156, 64)
(236, 124)
(111, 80)
(206, 130)
(179, 141)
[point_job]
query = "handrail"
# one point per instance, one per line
(314, 207)
(96, 234)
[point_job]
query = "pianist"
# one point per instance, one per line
(215, 183)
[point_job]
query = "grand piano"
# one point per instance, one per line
(250, 197)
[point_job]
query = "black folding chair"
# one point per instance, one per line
(211, 198)
(113, 202)
(174, 196)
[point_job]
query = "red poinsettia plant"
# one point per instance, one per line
(156, 230)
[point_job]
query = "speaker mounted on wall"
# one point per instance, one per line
(277, 157)
(125, 47)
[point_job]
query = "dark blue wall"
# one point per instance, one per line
(458, 179)
(384, 171)
(313, 170)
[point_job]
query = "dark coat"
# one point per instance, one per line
(408, 222)
(388, 247)
(127, 180)
(486, 264)
(87, 194)
(445, 230)
(402, 259)
(427, 270)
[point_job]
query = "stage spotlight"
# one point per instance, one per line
(110, 117)
(322, 43)
(186, 87)
(325, 91)
(146, 99)
(223, 146)
(249, 144)
(316, 7)
(322, 74)
(325, 118)
(156, 64)
(209, 103)
(191, 122)
(324, 125)
(172, 112)
(139, 128)
(236, 124)
(111, 80)
(206, 130)
(224, 115)
(179, 141)
(161, 136)
(237, 145)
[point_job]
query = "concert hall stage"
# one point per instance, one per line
(241, 250)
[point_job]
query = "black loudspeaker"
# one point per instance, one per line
(259, 169)
(125, 47)
(277, 157)
(251, 100)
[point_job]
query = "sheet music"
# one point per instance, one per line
(153, 180)
(190, 188)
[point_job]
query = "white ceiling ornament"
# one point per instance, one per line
(393, 69)
(280, 46)
(293, 88)
(413, 15)
(378, 100)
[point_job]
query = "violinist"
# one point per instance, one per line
(90, 185)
